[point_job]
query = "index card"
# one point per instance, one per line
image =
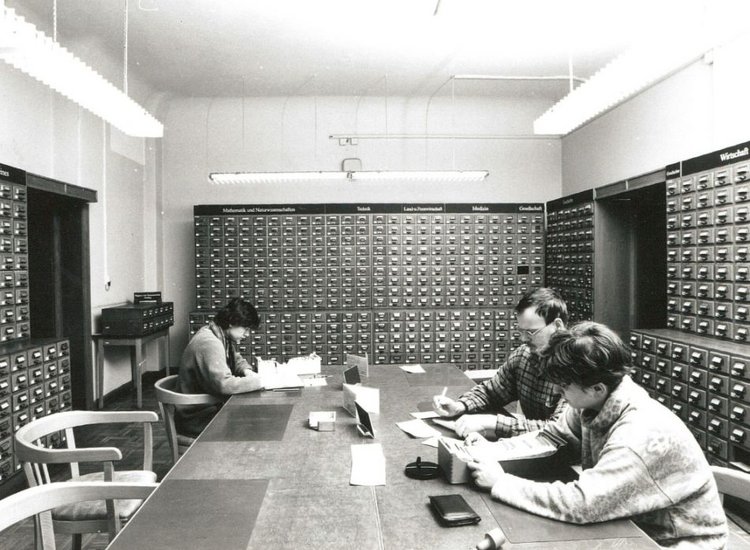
(368, 465)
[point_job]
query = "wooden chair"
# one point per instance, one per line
(38, 501)
(732, 482)
(84, 517)
(168, 396)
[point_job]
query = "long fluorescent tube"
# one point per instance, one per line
(28, 49)
(625, 76)
(436, 176)
(233, 178)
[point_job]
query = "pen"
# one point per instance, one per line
(445, 390)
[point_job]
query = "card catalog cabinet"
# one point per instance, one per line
(404, 283)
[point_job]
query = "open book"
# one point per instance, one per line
(281, 380)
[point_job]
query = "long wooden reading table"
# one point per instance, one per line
(259, 478)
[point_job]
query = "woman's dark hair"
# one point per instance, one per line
(238, 313)
(548, 303)
(587, 354)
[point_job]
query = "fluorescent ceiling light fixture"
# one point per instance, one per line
(29, 50)
(434, 176)
(643, 65)
(234, 178)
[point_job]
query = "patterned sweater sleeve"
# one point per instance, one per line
(508, 426)
(620, 485)
(495, 393)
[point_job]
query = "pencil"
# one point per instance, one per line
(445, 390)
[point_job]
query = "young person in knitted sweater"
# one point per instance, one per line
(212, 364)
(639, 460)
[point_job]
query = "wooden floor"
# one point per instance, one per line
(129, 439)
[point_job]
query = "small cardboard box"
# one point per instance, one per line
(539, 458)
(452, 460)
(323, 421)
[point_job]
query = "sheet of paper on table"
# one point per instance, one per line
(425, 414)
(413, 369)
(450, 424)
(314, 381)
(368, 465)
(433, 441)
(418, 428)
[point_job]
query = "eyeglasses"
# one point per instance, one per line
(529, 333)
(245, 330)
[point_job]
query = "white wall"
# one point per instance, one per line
(276, 134)
(44, 133)
(697, 110)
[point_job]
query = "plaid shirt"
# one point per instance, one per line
(518, 379)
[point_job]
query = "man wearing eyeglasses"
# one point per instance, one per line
(539, 313)
(212, 364)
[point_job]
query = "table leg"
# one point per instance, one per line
(99, 374)
(167, 351)
(136, 359)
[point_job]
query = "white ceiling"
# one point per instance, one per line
(358, 47)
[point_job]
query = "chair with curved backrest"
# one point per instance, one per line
(732, 482)
(37, 501)
(86, 517)
(168, 396)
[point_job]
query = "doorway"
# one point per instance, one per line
(59, 277)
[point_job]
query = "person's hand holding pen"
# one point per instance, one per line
(445, 406)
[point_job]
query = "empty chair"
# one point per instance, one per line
(732, 482)
(86, 517)
(168, 396)
(735, 484)
(37, 501)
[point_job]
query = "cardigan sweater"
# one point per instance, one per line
(640, 462)
(210, 364)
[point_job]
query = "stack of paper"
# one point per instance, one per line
(413, 369)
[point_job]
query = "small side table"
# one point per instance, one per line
(137, 345)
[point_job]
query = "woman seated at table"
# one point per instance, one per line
(212, 364)
(639, 460)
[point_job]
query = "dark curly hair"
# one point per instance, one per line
(548, 302)
(586, 354)
(238, 313)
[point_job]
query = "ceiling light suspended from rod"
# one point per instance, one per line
(29, 50)
(382, 176)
